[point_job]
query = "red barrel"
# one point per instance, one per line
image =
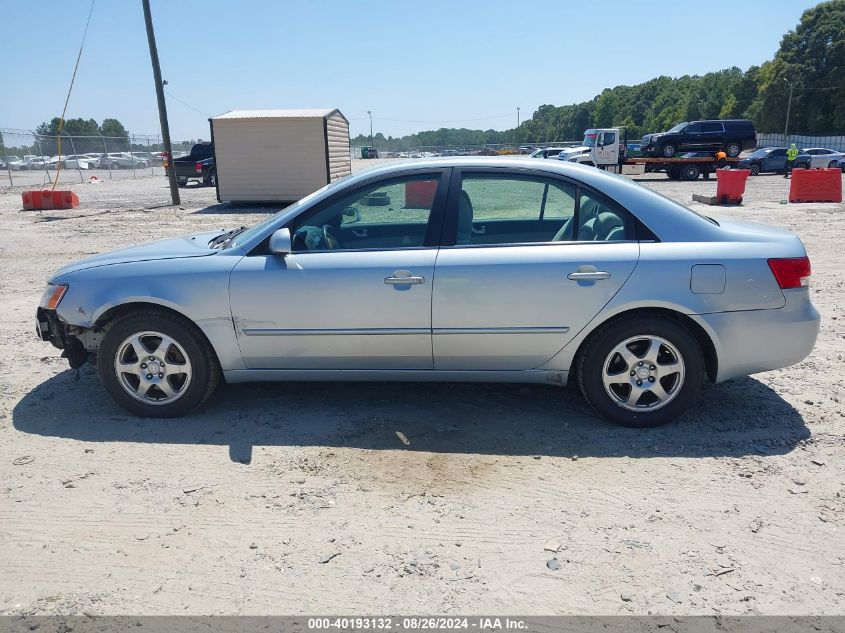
(730, 184)
(419, 194)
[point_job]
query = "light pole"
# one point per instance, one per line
(517, 116)
(788, 106)
(369, 112)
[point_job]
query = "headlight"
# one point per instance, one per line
(52, 296)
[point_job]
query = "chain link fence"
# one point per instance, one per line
(836, 143)
(28, 159)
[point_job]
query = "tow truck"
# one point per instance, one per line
(608, 151)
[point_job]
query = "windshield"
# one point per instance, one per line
(760, 153)
(590, 138)
(678, 127)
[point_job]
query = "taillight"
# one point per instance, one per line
(793, 272)
(198, 167)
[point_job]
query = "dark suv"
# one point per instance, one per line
(731, 135)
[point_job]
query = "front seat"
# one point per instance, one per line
(464, 235)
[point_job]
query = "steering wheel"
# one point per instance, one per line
(331, 238)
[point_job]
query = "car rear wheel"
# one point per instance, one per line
(156, 365)
(733, 149)
(832, 164)
(641, 371)
(211, 181)
(114, 166)
(668, 150)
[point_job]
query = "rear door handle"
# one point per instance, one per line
(359, 232)
(588, 276)
(403, 278)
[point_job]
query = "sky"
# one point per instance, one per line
(415, 65)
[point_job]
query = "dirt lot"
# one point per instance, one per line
(290, 498)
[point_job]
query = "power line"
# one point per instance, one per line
(186, 104)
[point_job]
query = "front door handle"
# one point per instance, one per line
(359, 232)
(591, 275)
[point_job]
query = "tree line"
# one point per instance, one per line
(810, 60)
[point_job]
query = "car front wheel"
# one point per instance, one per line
(642, 371)
(668, 150)
(755, 169)
(156, 365)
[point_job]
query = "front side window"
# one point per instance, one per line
(694, 128)
(387, 215)
(608, 138)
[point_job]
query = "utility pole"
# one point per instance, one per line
(162, 107)
(517, 116)
(371, 127)
(788, 106)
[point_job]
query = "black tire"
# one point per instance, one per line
(801, 166)
(733, 149)
(668, 150)
(181, 182)
(601, 343)
(114, 166)
(205, 371)
(211, 179)
(690, 172)
(832, 164)
(673, 173)
(755, 169)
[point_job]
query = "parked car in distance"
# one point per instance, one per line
(765, 159)
(547, 272)
(813, 157)
(121, 160)
(148, 157)
(11, 162)
(732, 135)
(547, 152)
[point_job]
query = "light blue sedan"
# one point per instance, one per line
(460, 269)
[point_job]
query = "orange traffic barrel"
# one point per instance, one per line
(730, 184)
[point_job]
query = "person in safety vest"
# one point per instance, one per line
(721, 159)
(791, 155)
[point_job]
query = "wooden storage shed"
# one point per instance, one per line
(278, 155)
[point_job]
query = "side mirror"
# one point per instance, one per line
(280, 242)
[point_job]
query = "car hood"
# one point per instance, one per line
(172, 248)
(575, 150)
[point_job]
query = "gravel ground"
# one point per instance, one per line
(291, 498)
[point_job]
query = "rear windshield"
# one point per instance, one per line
(201, 151)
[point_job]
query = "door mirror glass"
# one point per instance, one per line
(280, 242)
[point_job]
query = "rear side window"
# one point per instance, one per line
(600, 219)
(511, 209)
(712, 126)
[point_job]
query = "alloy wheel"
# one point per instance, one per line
(153, 368)
(643, 373)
